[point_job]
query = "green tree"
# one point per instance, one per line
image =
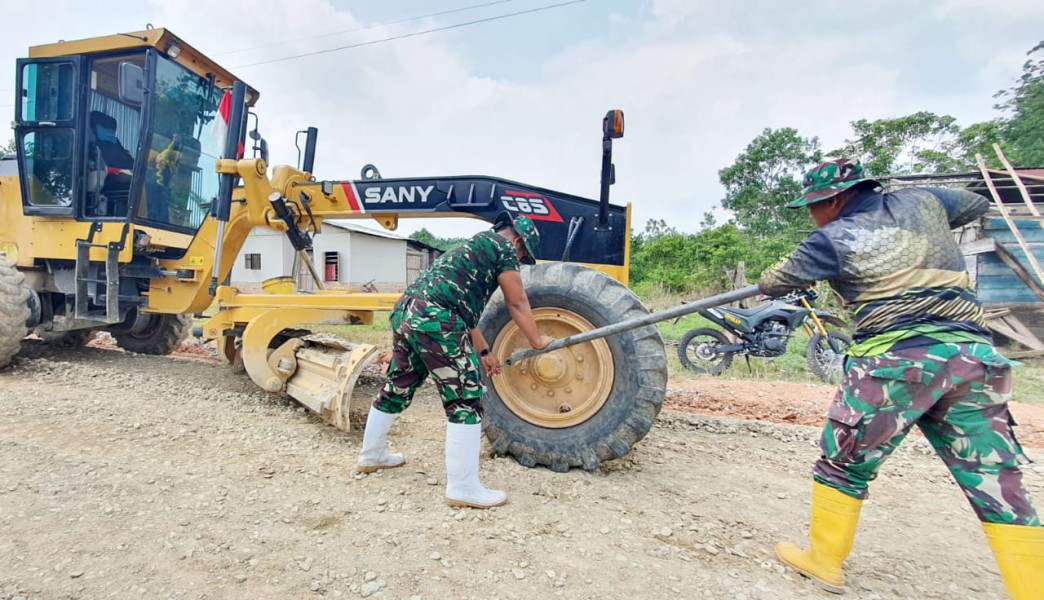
(979, 139)
(923, 142)
(424, 236)
(764, 177)
(656, 228)
(1023, 128)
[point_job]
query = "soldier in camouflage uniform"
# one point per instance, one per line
(435, 326)
(922, 356)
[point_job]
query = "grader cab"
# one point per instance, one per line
(129, 199)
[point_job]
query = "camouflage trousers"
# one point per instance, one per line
(957, 394)
(431, 340)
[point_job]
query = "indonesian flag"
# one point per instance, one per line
(220, 127)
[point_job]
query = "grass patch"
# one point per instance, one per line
(1029, 382)
(791, 366)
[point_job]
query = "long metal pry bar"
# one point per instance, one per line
(678, 311)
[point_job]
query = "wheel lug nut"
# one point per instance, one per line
(550, 393)
(532, 386)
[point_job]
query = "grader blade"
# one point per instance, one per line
(327, 370)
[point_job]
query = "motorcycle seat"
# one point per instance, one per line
(748, 312)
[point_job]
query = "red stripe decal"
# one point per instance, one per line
(353, 200)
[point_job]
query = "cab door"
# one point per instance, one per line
(49, 132)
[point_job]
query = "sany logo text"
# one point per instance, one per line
(398, 194)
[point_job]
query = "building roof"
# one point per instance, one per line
(352, 226)
(1032, 179)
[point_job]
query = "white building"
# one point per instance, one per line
(345, 253)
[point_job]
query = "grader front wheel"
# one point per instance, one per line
(159, 334)
(582, 405)
(14, 311)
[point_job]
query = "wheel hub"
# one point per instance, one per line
(556, 389)
(705, 351)
(549, 369)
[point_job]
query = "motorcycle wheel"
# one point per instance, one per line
(696, 351)
(822, 360)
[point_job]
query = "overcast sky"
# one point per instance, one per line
(523, 97)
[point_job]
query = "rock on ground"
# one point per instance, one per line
(132, 476)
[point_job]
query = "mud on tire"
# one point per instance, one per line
(14, 311)
(161, 335)
(639, 378)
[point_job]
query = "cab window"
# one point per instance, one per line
(180, 180)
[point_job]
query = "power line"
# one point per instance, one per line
(413, 34)
(315, 37)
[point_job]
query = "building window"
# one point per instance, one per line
(253, 262)
(332, 262)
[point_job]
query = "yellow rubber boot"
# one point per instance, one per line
(1020, 556)
(834, 519)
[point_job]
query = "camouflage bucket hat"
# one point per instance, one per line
(526, 229)
(828, 179)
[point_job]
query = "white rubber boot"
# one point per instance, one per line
(374, 455)
(463, 444)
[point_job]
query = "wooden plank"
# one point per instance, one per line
(1026, 198)
(1020, 270)
(1025, 334)
(996, 313)
(978, 246)
(1024, 354)
(1011, 224)
(1002, 327)
(1017, 213)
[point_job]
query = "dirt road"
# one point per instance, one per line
(141, 477)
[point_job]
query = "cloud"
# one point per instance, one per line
(696, 80)
(979, 9)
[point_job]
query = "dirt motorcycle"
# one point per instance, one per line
(764, 331)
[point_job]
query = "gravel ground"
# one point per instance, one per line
(126, 476)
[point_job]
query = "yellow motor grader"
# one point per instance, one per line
(128, 200)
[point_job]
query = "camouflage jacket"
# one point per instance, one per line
(463, 279)
(893, 260)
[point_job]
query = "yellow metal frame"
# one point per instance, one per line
(160, 39)
(261, 317)
(255, 318)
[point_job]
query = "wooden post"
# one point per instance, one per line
(1007, 219)
(1018, 182)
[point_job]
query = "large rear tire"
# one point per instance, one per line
(161, 335)
(582, 405)
(14, 311)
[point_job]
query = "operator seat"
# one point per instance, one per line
(109, 167)
(97, 169)
(103, 129)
